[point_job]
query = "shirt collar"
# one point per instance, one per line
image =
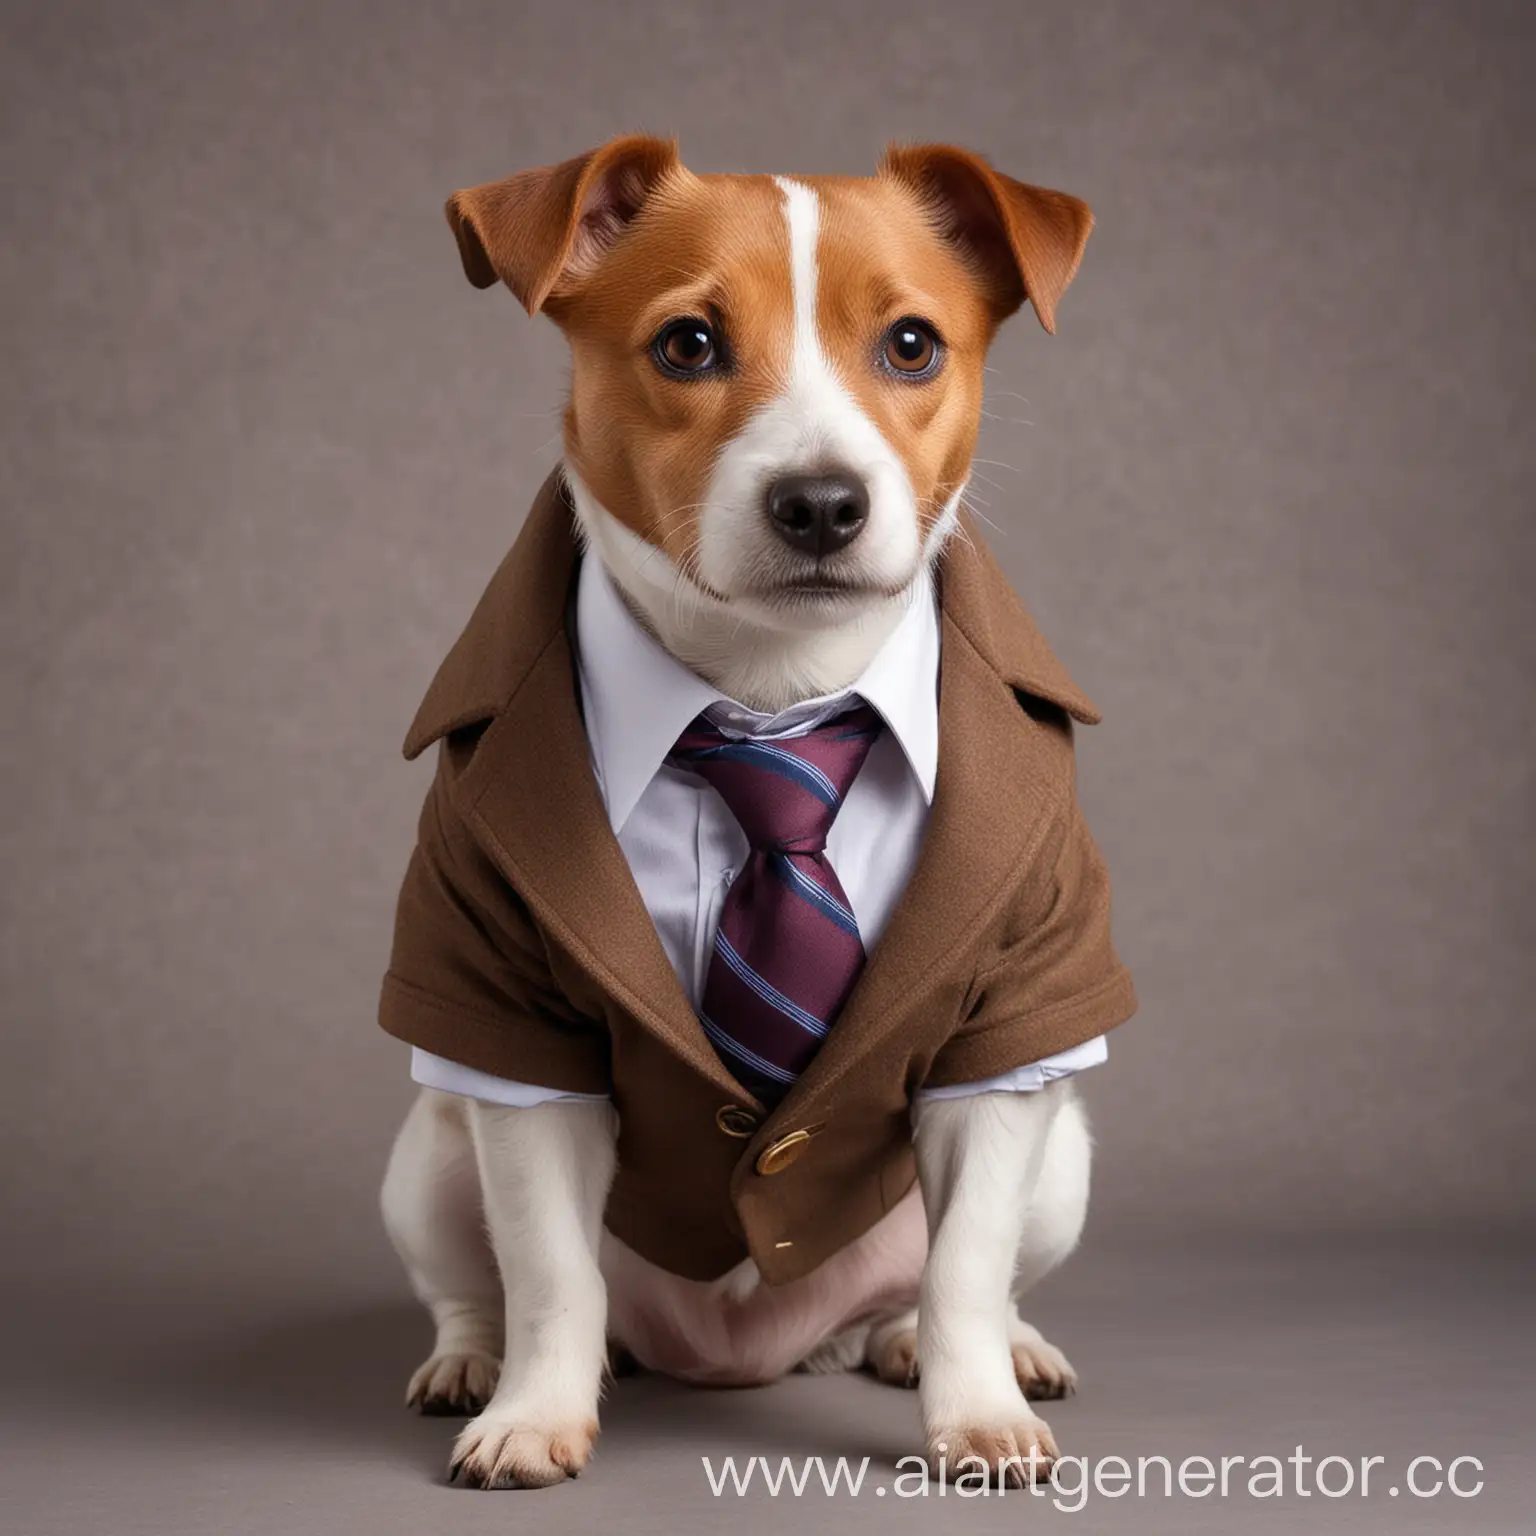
(638, 698)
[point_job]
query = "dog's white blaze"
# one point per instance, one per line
(809, 367)
(802, 212)
(813, 423)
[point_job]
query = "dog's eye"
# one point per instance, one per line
(685, 346)
(911, 347)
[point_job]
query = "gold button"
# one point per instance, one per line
(735, 1120)
(783, 1152)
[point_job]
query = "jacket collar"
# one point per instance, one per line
(530, 795)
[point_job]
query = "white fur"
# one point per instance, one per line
(762, 665)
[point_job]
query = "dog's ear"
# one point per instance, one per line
(1025, 241)
(541, 231)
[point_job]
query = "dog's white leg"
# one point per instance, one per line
(1052, 1227)
(979, 1161)
(544, 1177)
(431, 1207)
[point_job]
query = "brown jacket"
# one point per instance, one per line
(522, 946)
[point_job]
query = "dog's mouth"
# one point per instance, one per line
(816, 590)
(824, 588)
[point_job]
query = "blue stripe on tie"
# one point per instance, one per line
(828, 788)
(775, 760)
(767, 991)
(818, 896)
(744, 1054)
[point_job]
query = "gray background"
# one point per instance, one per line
(1268, 492)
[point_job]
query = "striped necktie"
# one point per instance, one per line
(787, 950)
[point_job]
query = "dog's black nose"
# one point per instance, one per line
(818, 514)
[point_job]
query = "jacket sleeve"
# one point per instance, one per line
(1050, 978)
(469, 978)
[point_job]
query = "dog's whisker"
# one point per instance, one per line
(1008, 394)
(988, 480)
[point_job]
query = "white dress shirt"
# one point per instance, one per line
(683, 845)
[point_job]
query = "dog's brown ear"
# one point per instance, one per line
(1026, 241)
(542, 230)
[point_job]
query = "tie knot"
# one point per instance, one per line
(784, 792)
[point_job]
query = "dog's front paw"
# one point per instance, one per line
(1013, 1452)
(453, 1383)
(513, 1450)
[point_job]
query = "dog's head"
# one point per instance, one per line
(776, 382)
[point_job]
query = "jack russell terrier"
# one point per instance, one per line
(753, 932)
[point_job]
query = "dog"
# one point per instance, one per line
(775, 396)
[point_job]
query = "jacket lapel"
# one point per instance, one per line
(529, 792)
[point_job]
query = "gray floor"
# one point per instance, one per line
(210, 1411)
